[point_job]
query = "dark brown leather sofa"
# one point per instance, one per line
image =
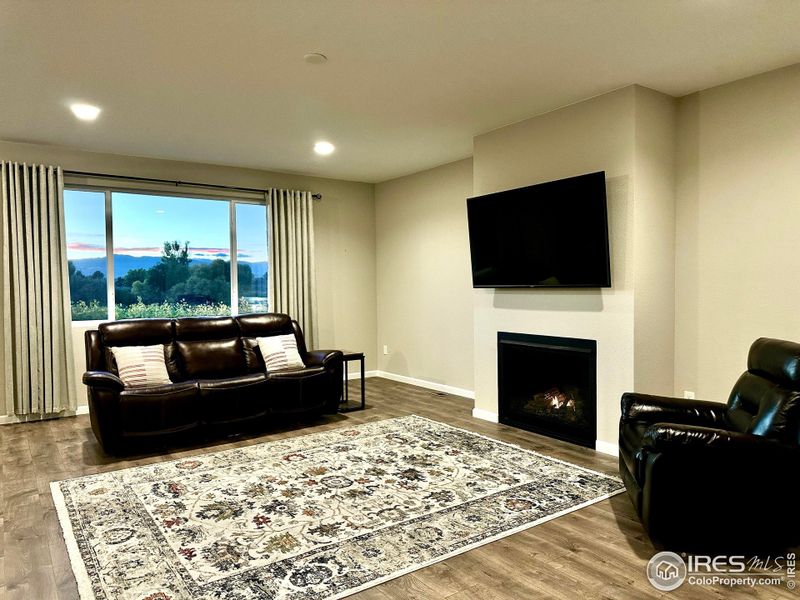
(219, 380)
(719, 478)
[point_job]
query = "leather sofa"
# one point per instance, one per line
(219, 381)
(712, 477)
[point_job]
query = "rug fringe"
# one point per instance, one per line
(85, 590)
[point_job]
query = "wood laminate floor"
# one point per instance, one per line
(596, 552)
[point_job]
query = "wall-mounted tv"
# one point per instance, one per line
(551, 234)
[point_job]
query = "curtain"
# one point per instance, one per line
(37, 336)
(292, 287)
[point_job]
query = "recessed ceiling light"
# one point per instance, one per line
(85, 112)
(315, 58)
(324, 148)
(160, 211)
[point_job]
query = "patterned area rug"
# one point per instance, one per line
(317, 516)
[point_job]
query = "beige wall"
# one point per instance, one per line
(738, 218)
(654, 242)
(686, 245)
(344, 231)
(424, 283)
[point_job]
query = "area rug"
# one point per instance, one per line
(316, 516)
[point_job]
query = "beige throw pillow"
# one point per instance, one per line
(140, 366)
(280, 352)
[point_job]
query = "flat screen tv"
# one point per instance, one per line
(552, 235)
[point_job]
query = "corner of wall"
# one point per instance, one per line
(654, 241)
(687, 197)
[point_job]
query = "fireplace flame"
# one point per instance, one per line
(558, 400)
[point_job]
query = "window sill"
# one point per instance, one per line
(87, 324)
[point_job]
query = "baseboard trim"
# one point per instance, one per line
(606, 448)
(357, 374)
(431, 385)
(485, 415)
(14, 419)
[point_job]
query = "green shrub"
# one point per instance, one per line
(140, 310)
(88, 311)
(94, 311)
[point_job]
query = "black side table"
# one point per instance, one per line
(345, 405)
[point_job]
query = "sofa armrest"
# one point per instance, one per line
(662, 409)
(320, 358)
(698, 482)
(665, 438)
(103, 379)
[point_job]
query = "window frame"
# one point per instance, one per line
(233, 199)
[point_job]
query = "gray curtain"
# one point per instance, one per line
(37, 336)
(292, 287)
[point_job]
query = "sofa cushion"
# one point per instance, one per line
(193, 329)
(252, 356)
(778, 360)
(295, 374)
(212, 359)
(262, 325)
(234, 398)
(159, 409)
(140, 366)
(298, 390)
(137, 332)
(760, 406)
(280, 352)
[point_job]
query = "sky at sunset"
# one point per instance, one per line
(142, 223)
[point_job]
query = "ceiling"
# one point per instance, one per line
(407, 85)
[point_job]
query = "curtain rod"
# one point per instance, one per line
(174, 182)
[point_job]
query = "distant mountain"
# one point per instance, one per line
(124, 263)
(259, 268)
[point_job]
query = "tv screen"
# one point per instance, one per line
(551, 234)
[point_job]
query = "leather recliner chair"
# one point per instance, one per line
(713, 477)
(219, 381)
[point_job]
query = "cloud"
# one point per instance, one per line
(212, 251)
(156, 250)
(148, 250)
(137, 250)
(83, 247)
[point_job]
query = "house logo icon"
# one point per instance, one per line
(666, 571)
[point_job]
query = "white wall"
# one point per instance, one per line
(629, 134)
(344, 232)
(424, 282)
(738, 226)
(595, 135)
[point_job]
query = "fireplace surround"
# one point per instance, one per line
(548, 385)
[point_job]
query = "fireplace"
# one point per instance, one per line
(548, 385)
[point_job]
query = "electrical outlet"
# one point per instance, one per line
(385, 349)
(689, 395)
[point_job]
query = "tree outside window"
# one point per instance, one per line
(155, 274)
